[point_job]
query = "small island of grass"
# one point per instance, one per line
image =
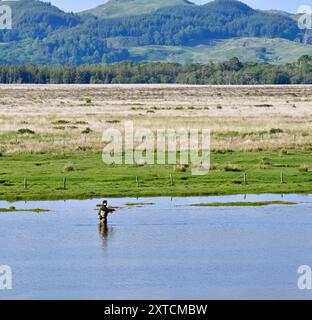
(242, 204)
(13, 209)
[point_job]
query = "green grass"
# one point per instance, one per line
(242, 204)
(277, 51)
(91, 178)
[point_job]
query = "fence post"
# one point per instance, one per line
(282, 178)
(245, 178)
(137, 181)
(65, 183)
(171, 180)
(25, 183)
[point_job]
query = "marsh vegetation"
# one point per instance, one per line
(51, 132)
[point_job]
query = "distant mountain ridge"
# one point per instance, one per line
(122, 8)
(45, 35)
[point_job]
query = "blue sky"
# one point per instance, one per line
(286, 5)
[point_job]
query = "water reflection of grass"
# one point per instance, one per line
(138, 204)
(243, 204)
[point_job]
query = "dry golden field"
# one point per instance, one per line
(240, 117)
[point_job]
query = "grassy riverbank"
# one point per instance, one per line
(87, 176)
(49, 133)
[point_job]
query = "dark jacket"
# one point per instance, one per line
(103, 212)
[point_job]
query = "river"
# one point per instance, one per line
(164, 250)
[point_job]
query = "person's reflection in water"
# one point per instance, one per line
(105, 232)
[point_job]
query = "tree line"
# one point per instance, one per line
(232, 71)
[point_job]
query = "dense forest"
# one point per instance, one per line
(193, 25)
(228, 72)
(45, 35)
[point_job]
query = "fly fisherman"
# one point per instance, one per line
(104, 211)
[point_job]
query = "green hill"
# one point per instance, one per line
(122, 8)
(151, 30)
(277, 51)
(37, 20)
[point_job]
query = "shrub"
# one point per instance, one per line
(264, 106)
(303, 168)
(265, 161)
(86, 131)
(61, 122)
(25, 131)
(276, 130)
(283, 152)
(182, 167)
(113, 121)
(232, 168)
(84, 148)
(237, 182)
(88, 101)
(69, 167)
(140, 164)
(223, 151)
(81, 122)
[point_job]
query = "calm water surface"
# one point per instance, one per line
(164, 251)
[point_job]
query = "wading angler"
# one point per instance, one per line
(138, 146)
